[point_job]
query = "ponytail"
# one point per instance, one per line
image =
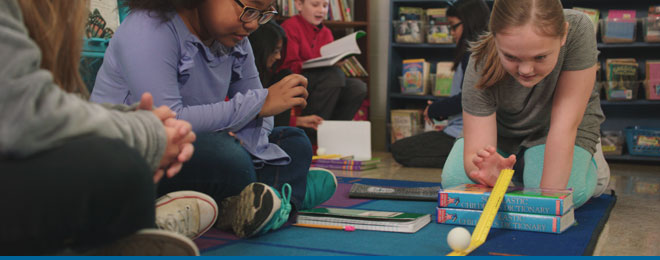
(485, 53)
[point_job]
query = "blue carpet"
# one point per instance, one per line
(430, 240)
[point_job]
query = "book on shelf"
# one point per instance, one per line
(415, 77)
(365, 219)
(509, 220)
(593, 15)
(332, 52)
(516, 199)
(405, 123)
(352, 68)
(103, 19)
(359, 190)
(622, 79)
(620, 26)
(409, 27)
(652, 79)
(438, 26)
(444, 77)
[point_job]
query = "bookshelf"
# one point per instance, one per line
(619, 114)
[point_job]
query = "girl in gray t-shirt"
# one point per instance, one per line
(530, 86)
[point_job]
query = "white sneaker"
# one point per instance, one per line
(149, 242)
(189, 213)
(602, 170)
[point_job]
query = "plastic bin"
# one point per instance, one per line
(643, 141)
(409, 31)
(651, 27)
(618, 30)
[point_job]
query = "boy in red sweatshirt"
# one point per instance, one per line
(332, 95)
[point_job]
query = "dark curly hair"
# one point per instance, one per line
(162, 8)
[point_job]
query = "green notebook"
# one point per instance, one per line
(365, 219)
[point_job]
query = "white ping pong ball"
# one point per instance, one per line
(459, 238)
(320, 151)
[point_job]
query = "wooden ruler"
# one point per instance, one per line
(488, 215)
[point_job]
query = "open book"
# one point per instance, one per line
(332, 52)
(365, 219)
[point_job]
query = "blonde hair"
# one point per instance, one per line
(546, 15)
(57, 26)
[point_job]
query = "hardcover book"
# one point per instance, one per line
(443, 79)
(415, 77)
(405, 123)
(509, 220)
(516, 199)
(396, 193)
(622, 80)
(365, 219)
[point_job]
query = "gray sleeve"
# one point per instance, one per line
(38, 115)
(581, 47)
(477, 102)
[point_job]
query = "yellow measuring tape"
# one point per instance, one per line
(488, 215)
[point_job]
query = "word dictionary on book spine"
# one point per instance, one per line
(509, 220)
(516, 199)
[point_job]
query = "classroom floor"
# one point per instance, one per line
(634, 224)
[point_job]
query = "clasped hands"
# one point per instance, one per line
(179, 134)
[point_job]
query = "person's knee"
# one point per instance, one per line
(219, 152)
(292, 138)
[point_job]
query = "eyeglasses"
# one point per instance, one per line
(250, 14)
(455, 26)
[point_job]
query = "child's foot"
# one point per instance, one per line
(150, 242)
(321, 185)
(189, 213)
(258, 209)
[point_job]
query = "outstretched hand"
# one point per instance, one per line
(179, 134)
(489, 164)
(289, 92)
(311, 121)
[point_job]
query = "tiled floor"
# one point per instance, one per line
(634, 224)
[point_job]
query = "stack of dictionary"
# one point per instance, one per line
(526, 209)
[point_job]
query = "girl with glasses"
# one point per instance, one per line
(468, 19)
(194, 57)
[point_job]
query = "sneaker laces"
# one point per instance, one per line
(180, 222)
(282, 215)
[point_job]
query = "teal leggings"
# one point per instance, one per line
(583, 173)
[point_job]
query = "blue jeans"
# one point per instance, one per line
(221, 167)
(583, 172)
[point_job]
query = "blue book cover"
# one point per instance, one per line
(516, 199)
(508, 220)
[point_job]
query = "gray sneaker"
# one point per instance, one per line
(256, 210)
(189, 213)
(150, 242)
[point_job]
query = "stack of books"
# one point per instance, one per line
(346, 164)
(527, 209)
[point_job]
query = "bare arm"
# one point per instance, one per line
(568, 106)
(479, 132)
